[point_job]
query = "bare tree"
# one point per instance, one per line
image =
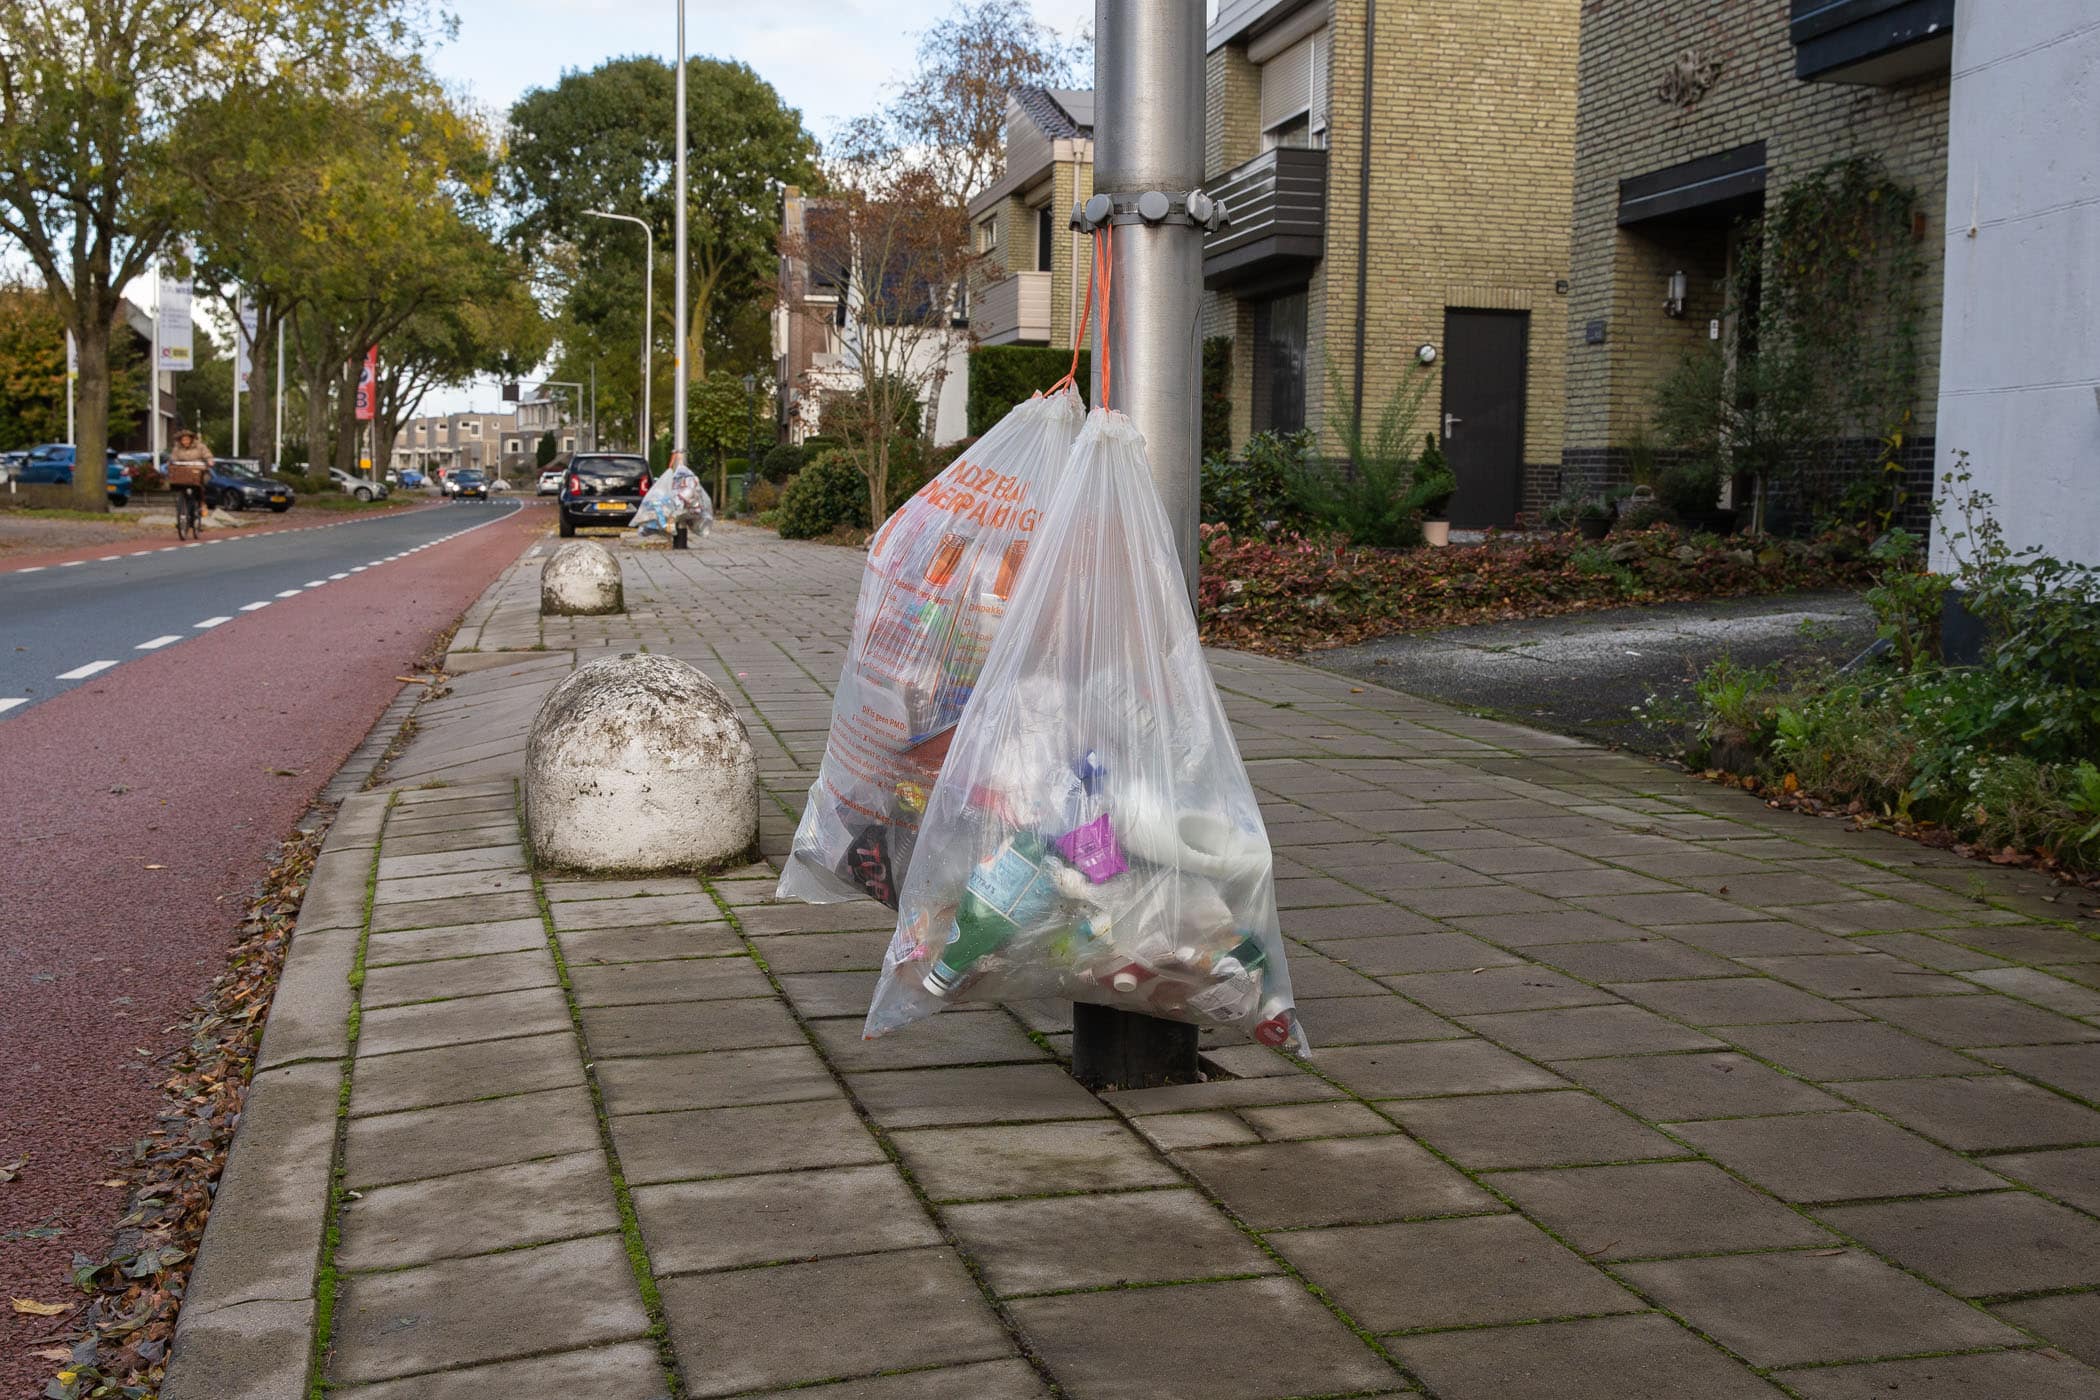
(895, 249)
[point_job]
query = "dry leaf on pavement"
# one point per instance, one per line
(36, 1309)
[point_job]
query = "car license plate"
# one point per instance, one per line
(276, 500)
(610, 505)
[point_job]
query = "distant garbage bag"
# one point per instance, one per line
(677, 501)
(938, 577)
(1093, 836)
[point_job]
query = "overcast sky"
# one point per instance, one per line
(831, 59)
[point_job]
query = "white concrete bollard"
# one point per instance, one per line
(639, 763)
(581, 580)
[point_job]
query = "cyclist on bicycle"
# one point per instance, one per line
(190, 454)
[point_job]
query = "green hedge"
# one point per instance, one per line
(827, 493)
(1004, 375)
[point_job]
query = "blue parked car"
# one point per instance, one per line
(52, 465)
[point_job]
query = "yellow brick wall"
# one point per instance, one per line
(1074, 183)
(1625, 130)
(1472, 161)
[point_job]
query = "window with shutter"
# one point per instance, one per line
(1286, 85)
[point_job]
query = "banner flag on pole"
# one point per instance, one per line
(177, 353)
(244, 340)
(368, 386)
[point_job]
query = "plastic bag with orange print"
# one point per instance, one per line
(938, 576)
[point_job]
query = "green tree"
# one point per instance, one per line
(33, 371)
(90, 92)
(603, 140)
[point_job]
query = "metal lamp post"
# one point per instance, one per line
(678, 350)
(648, 434)
(1148, 162)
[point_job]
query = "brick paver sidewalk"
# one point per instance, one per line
(1625, 1086)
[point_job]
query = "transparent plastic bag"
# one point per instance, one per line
(1093, 836)
(938, 577)
(676, 500)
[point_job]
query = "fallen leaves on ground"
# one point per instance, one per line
(37, 1309)
(119, 1345)
(10, 1170)
(1287, 594)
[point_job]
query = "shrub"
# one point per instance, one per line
(1247, 493)
(1998, 752)
(1434, 484)
(1368, 496)
(824, 495)
(1689, 490)
(763, 496)
(1004, 375)
(780, 462)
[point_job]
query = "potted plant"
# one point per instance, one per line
(1593, 517)
(1434, 486)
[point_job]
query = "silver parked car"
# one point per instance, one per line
(350, 483)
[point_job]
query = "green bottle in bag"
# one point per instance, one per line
(1013, 888)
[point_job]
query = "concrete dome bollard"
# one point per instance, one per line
(581, 580)
(639, 763)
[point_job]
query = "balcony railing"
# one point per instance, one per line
(1278, 208)
(1015, 310)
(1874, 42)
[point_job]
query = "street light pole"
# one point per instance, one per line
(1148, 141)
(678, 350)
(648, 314)
(750, 430)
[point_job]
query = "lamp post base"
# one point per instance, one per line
(1116, 1049)
(678, 538)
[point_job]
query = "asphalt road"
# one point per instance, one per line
(1585, 672)
(63, 624)
(139, 806)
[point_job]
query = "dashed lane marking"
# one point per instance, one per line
(8, 702)
(288, 593)
(212, 622)
(158, 642)
(81, 673)
(252, 607)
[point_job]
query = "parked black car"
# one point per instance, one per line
(602, 488)
(237, 484)
(468, 482)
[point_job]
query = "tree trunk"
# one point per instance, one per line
(262, 393)
(347, 426)
(316, 421)
(91, 429)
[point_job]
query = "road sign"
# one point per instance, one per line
(176, 352)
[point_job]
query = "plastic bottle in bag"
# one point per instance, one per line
(677, 501)
(1093, 835)
(937, 582)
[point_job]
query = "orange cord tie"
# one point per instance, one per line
(1079, 341)
(1106, 259)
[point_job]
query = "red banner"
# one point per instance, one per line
(368, 386)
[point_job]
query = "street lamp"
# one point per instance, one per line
(678, 235)
(648, 311)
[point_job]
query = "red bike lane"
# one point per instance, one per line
(139, 811)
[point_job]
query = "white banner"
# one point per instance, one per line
(244, 362)
(176, 352)
(72, 357)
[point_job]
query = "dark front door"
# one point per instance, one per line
(1483, 422)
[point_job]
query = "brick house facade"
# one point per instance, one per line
(1021, 223)
(1688, 116)
(1419, 216)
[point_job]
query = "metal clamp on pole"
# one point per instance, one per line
(1193, 209)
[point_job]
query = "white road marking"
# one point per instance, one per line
(158, 642)
(9, 702)
(105, 558)
(81, 673)
(72, 563)
(252, 607)
(359, 568)
(32, 569)
(212, 621)
(289, 593)
(315, 582)
(333, 577)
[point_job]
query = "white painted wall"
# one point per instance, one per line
(2020, 342)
